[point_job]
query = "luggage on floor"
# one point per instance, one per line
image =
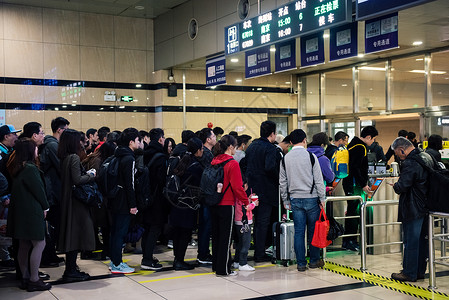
(283, 239)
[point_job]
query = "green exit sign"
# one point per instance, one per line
(126, 98)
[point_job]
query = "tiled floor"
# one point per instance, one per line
(268, 280)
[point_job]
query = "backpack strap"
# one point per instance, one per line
(358, 145)
(312, 161)
(222, 165)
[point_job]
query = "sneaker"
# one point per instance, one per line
(269, 250)
(110, 266)
(122, 268)
(43, 276)
(246, 268)
(205, 260)
(170, 244)
(38, 286)
(318, 264)
(351, 245)
(401, 277)
(153, 266)
(192, 245)
(232, 273)
(302, 268)
(235, 265)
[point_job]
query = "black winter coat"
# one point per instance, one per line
(262, 170)
(157, 213)
(412, 186)
(126, 197)
(358, 166)
(50, 165)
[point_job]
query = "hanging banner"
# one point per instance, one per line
(257, 62)
(312, 50)
(343, 42)
(216, 71)
(285, 56)
(381, 33)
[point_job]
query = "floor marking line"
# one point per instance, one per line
(176, 277)
(385, 282)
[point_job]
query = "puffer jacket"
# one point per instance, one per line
(412, 186)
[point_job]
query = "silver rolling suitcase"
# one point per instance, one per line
(283, 239)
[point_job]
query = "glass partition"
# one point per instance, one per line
(408, 82)
(440, 78)
(310, 95)
(338, 94)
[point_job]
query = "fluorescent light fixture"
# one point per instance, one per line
(273, 49)
(419, 59)
(213, 87)
(361, 55)
(238, 80)
(259, 89)
(192, 90)
(344, 85)
(138, 85)
(432, 72)
(417, 43)
(234, 60)
(326, 35)
(372, 68)
(287, 82)
(121, 107)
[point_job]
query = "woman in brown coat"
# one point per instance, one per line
(77, 230)
(27, 211)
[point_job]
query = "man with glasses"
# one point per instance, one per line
(34, 131)
(49, 164)
(341, 140)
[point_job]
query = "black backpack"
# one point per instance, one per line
(144, 198)
(107, 178)
(212, 176)
(437, 187)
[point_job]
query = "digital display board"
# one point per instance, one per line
(371, 8)
(291, 20)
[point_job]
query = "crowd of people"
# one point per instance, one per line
(39, 173)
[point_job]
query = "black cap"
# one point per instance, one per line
(7, 129)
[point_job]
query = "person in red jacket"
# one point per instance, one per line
(222, 215)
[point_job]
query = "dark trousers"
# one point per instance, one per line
(243, 244)
(149, 239)
(415, 247)
(119, 229)
(51, 236)
(181, 238)
(204, 229)
(222, 221)
(70, 262)
(352, 225)
(262, 227)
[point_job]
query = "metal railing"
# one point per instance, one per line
(443, 237)
(342, 198)
(363, 226)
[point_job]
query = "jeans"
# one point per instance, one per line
(415, 247)
(241, 251)
(119, 229)
(204, 231)
(306, 211)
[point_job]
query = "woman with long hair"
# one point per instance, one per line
(222, 215)
(77, 229)
(183, 214)
(27, 211)
(169, 145)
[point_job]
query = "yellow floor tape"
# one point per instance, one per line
(385, 282)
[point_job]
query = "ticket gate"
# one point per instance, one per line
(336, 209)
(382, 190)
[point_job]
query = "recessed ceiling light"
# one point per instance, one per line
(273, 49)
(238, 80)
(344, 84)
(139, 7)
(432, 72)
(326, 35)
(138, 85)
(417, 43)
(287, 82)
(372, 68)
(234, 60)
(213, 87)
(361, 55)
(419, 59)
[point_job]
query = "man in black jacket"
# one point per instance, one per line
(263, 178)
(50, 165)
(357, 181)
(412, 190)
(156, 215)
(124, 204)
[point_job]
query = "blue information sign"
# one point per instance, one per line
(312, 49)
(343, 41)
(291, 20)
(372, 8)
(285, 56)
(381, 33)
(216, 71)
(257, 62)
